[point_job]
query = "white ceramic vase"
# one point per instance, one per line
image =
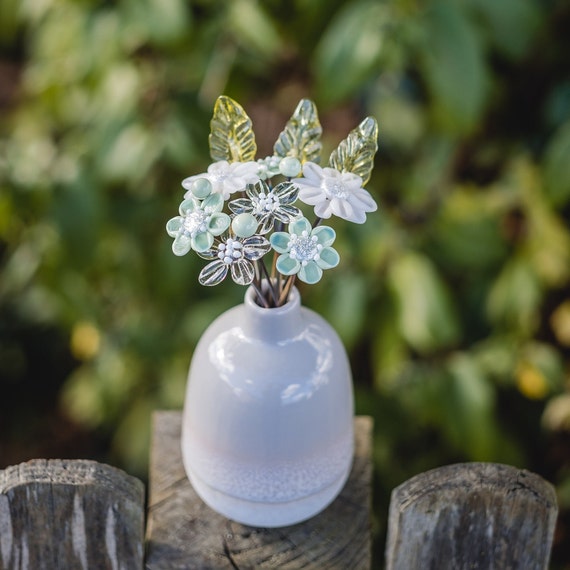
(267, 435)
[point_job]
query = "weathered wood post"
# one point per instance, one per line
(472, 515)
(183, 533)
(70, 515)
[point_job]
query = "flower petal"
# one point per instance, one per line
(254, 190)
(241, 206)
(287, 192)
(213, 273)
(310, 273)
(202, 242)
(213, 203)
(187, 206)
(286, 265)
(312, 172)
(325, 235)
(267, 222)
(219, 167)
(299, 226)
(218, 223)
(342, 209)
(287, 214)
(351, 180)
(242, 272)
(361, 199)
(173, 226)
(182, 244)
(311, 195)
(208, 254)
(255, 247)
(328, 258)
(247, 170)
(280, 241)
(358, 217)
(323, 209)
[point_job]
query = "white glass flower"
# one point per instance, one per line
(235, 256)
(268, 204)
(199, 222)
(305, 251)
(334, 192)
(226, 178)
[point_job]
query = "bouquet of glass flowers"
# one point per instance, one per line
(262, 201)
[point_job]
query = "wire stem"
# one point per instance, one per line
(260, 296)
(269, 282)
(286, 290)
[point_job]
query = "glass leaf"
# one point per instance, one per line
(301, 137)
(356, 152)
(231, 133)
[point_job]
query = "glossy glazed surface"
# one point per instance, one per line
(268, 412)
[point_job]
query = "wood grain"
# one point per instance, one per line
(184, 533)
(76, 515)
(473, 515)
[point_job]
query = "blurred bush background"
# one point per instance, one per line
(453, 300)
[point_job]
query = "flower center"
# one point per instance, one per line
(196, 222)
(334, 189)
(304, 248)
(230, 251)
(265, 203)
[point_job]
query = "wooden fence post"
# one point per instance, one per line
(183, 533)
(473, 515)
(76, 515)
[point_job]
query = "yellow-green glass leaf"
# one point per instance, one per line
(301, 137)
(356, 152)
(231, 133)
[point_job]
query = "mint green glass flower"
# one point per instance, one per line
(199, 222)
(305, 251)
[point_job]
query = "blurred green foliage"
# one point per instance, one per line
(453, 300)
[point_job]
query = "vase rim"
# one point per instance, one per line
(293, 300)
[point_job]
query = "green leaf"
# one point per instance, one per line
(301, 137)
(468, 402)
(425, 314)
(231, 133)
(515, 298)
(351, 48)
(510, 24)
(255, 29)
(356, 152)
(557, 167)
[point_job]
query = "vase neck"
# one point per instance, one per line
(274, 324)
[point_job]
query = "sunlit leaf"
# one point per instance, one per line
(301, 137)
(557, 167)
(351, 48)
(515, 297)
(468, 402)
(254, 27)
(426, 317)
(231, 132)
(356, 152)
